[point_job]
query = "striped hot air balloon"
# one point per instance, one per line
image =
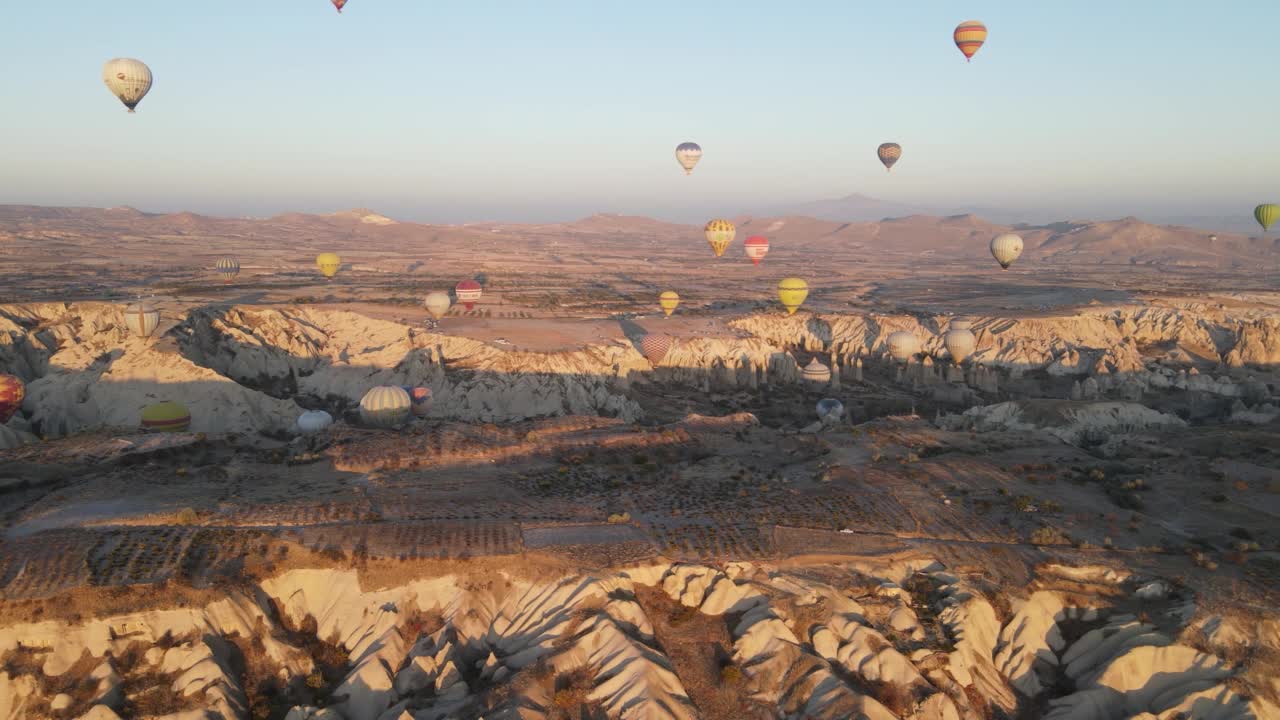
(719, 234)
(468, 292)
(385, 406)
(1006, 248)
(228, 268)
(655, 347)
(141, 319)
(816, 373)
(688, 154)
(757, 246)
(889, 154)
(328, 264)
(1266, 214)
(128, 79)
(669, 301)
(166, 417)
(12, 391)
(792, 293)
(969, 36)
(903, 345)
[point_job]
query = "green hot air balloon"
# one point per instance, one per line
(1266, 215)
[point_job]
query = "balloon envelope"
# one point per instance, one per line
(166, 417)
(1006, 248)
(816, 372)
(339, 4)
(385, 406)
(969, 36)
(903, 345)
(1266, 214)
(889, 154)
(12, 391)
(328, 264)
(141, 319)
(420, 399)
(830, 410)
(437, 303)
(655, 347)
(227, 267)
(669, 300)
(314, 421)
(719, 234)
(757, 246)
(688, 154)
(960, 343)
(792, 293)
(127, 79)
(468, 292)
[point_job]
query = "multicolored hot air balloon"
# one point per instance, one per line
(228, 268)
(757, 246)
(420, 399)
(314, 421)
(12, 391)
(437, 303)
(328, 264)
(903, 345)
(889, 154)
(719, 234)
(688, 154)
(669, 301)
(969, 36)
(1006, 248)
(791, 293)
(655, 347)
(959, 342)
(166, 417)
(127, 79)
(385, 406)
(1266, 214)
(141, 319)
(468, 292)
(339, 4)
(815, 373)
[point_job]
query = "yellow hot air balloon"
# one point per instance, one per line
(969, 36)
(791, 293)
(166, 417)
(688, 154)
(328, 264)
(1266, 214)
(719, 234)
(669, 300)
(437, 303)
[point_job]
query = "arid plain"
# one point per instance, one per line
(1079, 521)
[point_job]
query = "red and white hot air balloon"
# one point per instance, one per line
(757, 247)
(655, 347)
(468, 292)
(339, 4)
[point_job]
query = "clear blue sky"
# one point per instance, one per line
(524, 110)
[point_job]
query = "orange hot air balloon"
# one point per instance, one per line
(468, 292)
(339, 4)
(757, 247)
(12, 391)
(969, 36)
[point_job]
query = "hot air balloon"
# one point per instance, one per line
(961, 324)
(816, 373)
(314, 421)
(969, 36)
(328, 264)
(339, 4)
(791, 293)
(1006, 248)
(688, 154)
(903, 345)
(669, 300)
(830, 410)
(12, 391)
(468, 292)
(655, 347)
(757, 247)
(385, 406)
(1266, 215)
(959, 342)
(228, 268)
(127, 79)
(889, 154)
(437, 303)
(719, 234)
(141, 319)
(420, 399)
(166, 417)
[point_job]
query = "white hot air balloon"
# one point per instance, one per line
(961, 324)
(385, 406)
(314, 421)
(960, 343)
(1006, 248)
(816, 373)
(127, 79)
(830, 410)
(903, 345)
(437, 303)
(141, 319)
